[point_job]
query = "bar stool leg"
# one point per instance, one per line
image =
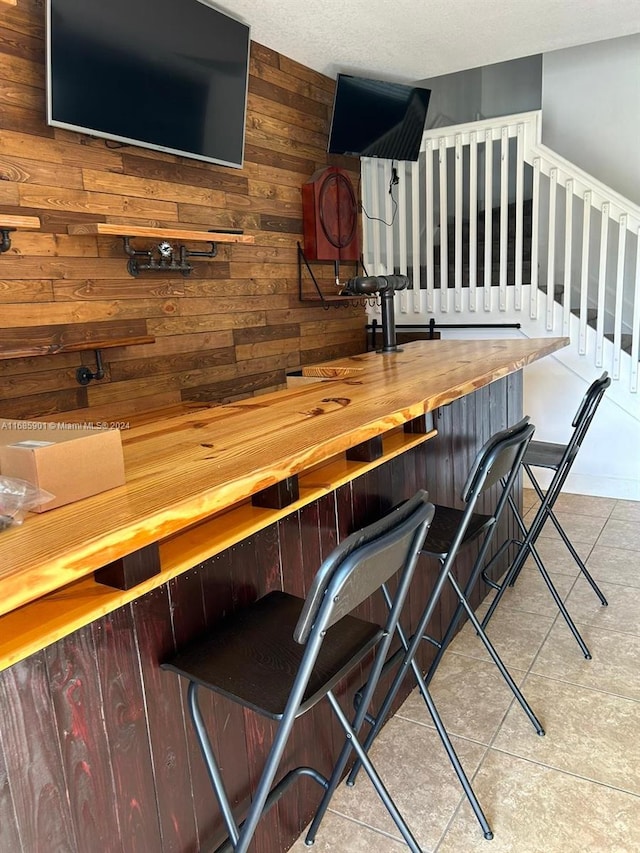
(408, 660)
(527, 547)
(497, 660)
(211, 763)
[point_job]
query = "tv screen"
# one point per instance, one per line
(375, 118)
(165, 74)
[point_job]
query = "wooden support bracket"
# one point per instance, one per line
(418, 426)
(131, 569)
(367, 451)
(279, 495)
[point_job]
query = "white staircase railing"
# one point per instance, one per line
(490, 221)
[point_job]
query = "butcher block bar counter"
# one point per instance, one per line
(227, 503)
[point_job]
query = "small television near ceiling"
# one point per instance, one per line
(164, 74)
(376, 118)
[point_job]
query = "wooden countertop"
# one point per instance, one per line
(183, 469)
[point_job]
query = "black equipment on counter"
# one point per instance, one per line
(386, 286)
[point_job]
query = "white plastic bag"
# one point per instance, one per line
(16, 498)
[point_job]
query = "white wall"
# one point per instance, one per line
(591, 110)
(608, 463)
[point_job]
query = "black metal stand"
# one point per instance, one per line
(384, 286)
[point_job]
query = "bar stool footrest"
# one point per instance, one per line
(277, 792)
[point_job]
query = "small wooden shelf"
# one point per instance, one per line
(27, 222)
(77, 346)
(10, 223)
(109, 228)
(314, 297)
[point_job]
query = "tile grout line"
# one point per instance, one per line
(502, 751)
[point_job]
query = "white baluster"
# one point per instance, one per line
(519, 217)
(602, 283)
(473, 220)
(428, 185)
(551, 253)
(458, 224)
(584, 274)
(535, 229)
(568, 248)
(444, 230)
(488, 211)
(390, 215)
(401, 253)
(415, 237)
(617, 315)
(504, 216)
(635, 328)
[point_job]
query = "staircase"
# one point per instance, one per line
(494, 227)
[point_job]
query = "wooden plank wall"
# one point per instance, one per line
(236, 325)
(97, 751)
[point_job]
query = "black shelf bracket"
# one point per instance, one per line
(335, 300)
(5, 242)
(84, 374)
(163, 258)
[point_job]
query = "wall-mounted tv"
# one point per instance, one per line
(165, 74)
(375, 118)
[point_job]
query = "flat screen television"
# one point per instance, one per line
(165, 74)
(375, 118)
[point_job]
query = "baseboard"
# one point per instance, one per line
(597, 486)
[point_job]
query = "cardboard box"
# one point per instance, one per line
(71, 461)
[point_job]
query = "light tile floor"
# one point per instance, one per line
(576, 790)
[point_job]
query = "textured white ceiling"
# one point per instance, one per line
(411, 40)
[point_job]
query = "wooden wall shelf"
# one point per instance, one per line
(77, 346)
(28, 222)
(108, 228)
(10, 223)
(163, 257)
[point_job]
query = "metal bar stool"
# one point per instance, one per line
(452, 529)
(558, 458)
(282, 654)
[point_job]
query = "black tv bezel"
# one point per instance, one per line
(114, 137)
(348, 75)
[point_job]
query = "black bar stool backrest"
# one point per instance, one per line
(496, 458)
(585, 413)
(362, 562)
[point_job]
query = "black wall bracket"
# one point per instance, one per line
(163, 258)
(84, 374)
(5, 242)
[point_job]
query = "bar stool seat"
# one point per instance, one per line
(544, 454)
(447, 521)
(253, 659)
